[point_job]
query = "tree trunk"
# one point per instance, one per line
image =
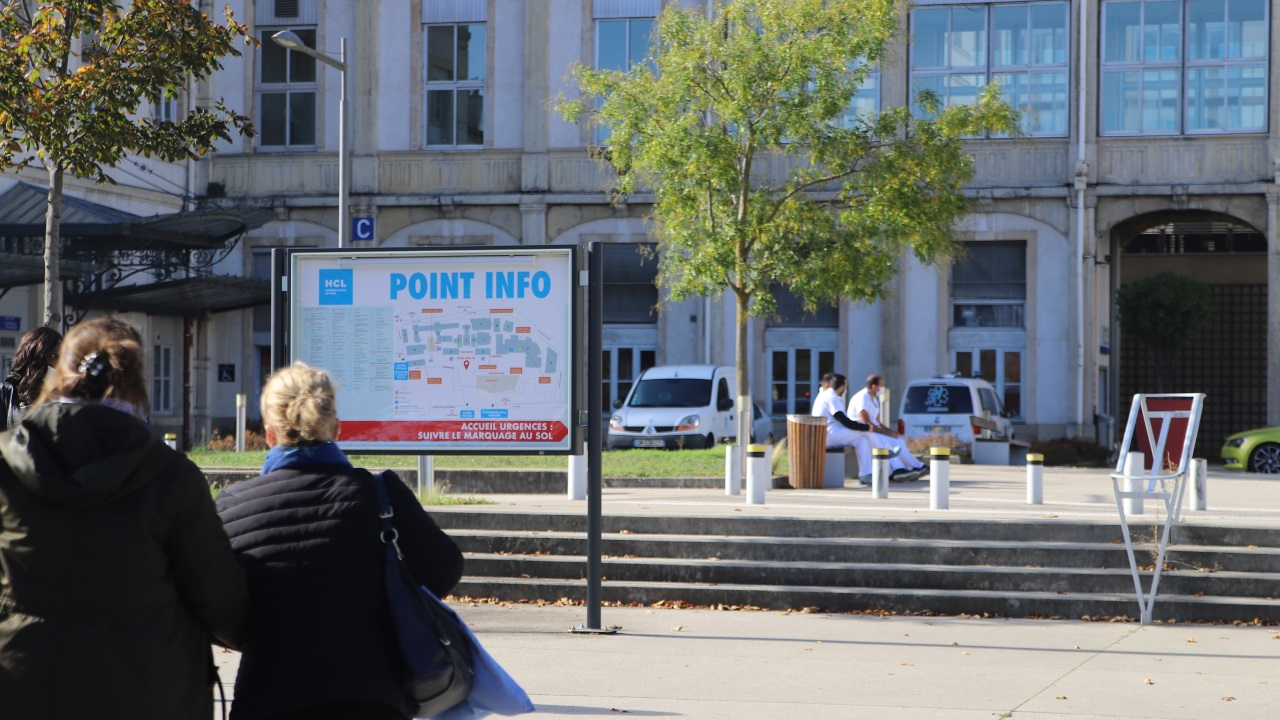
(744, 384)
(52, 249)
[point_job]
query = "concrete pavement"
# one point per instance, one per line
(768, 665)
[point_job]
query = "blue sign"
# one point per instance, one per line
(400, 370)
(336, 287)
(467, 414)
(362, 228)
(10, 323)
(493, 414)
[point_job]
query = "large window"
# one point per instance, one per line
(989, 286)
(1021, 47)
(621, 43)
(455, 85)
(1184, 66)
(286, 92)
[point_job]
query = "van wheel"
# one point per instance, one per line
(711, 440)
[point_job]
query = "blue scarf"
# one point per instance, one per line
(288, 456)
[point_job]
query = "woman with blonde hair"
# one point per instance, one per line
(320, 644)
(115, 573)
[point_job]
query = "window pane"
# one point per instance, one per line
(1048, 100)
(1048, 34)
(471, 52)
(929, 37)
(865, 102)
(991, 270)
(968, 37)
(1160, 101)
(1247, 29)
(1162, 31)
(626, 368)
(440, 53)
(470, 117)
(1121, 101)
(648, 358)
(804, 366)
(964, 89)
(1247, 98)
(1009, 35)
(964, 363)
(302, 69)
(1206, 29)
(611, 47)
(826, 362)
(272, 61)
(1012, 366)
(272, 120)
(1205, 109)
(641, 33)
(440, 117)
(302, 118)
(1123, 21)
(933, 83)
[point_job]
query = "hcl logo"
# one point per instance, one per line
(336, 287)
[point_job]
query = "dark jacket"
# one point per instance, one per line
(319, 630)
(114, 572)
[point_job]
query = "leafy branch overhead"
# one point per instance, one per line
(741, 127)
(75, 73)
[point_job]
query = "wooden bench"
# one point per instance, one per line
(991, 447)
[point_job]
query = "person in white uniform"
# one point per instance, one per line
(843, 431)
(865, 408)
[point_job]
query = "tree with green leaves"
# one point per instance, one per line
(73, 76)
(1164, 312)
(740, 124)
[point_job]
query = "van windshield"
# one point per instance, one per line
(938, 399)
(671, 392)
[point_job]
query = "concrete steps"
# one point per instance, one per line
(1007, 568)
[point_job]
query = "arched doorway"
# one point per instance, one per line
(1227, 359)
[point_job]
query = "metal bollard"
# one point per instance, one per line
(939, 478)
(1035, 479)
(577, 477)
(1134, 466)
(732, 470)
(1199, 484)
(241, 415)
(880, 473)
(759, 478)
(426, 476)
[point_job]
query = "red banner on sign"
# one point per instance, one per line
(482, 431)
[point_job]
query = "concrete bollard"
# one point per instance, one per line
(759, 477)
(940, 478)
(880, 473)
(577, 477)
(1199, 484)
(1035, 479)
(1134, 466)
(732, 470)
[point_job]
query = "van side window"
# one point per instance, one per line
(723, 392)
(989, 402)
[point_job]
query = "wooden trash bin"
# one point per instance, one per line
(807, 439)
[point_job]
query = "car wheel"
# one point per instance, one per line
(711, 440)
(1265, 458)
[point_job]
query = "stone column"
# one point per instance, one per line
(533, 218)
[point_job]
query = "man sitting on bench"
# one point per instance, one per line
(865, 405)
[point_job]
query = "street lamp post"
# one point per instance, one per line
(290, 40)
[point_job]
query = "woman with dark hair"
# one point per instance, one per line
(115, 573)
(36, 353)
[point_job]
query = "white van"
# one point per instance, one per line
(943, 405)
(678, 406)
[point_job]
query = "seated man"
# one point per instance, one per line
(865, 406)
(845, 432)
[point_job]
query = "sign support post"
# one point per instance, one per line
(595, 477)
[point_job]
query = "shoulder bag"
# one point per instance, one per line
(434, 647)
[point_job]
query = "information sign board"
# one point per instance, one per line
(442, 351)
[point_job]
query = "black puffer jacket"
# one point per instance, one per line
(114, 572)
(319, 630)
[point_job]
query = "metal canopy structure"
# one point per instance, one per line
(102, 247)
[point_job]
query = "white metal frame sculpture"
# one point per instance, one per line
(1151, 418)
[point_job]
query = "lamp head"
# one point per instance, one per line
(288, 39)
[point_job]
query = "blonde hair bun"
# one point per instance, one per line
(298, 405)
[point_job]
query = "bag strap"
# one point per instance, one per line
(385, 513)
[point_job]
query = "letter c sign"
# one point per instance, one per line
(362, 228)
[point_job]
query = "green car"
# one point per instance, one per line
(1253, 450)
